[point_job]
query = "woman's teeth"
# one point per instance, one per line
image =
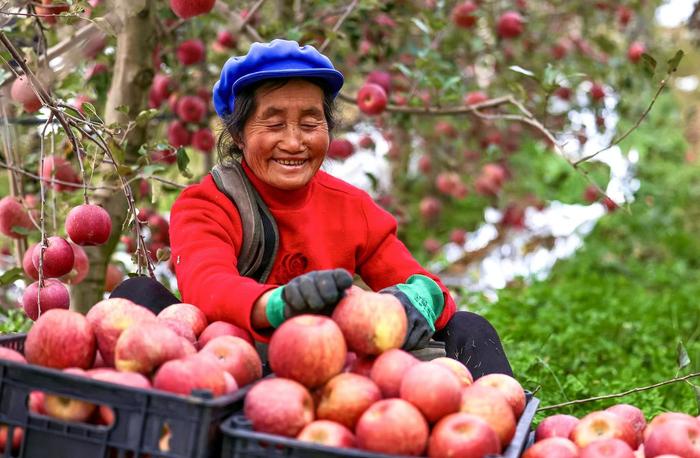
(291, 162)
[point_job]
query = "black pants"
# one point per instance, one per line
(468, 337)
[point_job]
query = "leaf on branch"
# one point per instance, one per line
(683, 358)
(675, 60)
(163, 254)
(151, 169)
(11, 275)
(649, 64)
(182, 161)
(145, 116)
(116, 150)
(123, 109)
(20, 230)
(156, 189)
(421, 25)
(89, 109)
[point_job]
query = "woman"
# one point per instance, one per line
(277, 105)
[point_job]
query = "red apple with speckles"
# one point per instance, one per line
(191, 108)
(433, 388)
(81, 266)
(190, 52)
(510, 24)
(178, 135)
(463, 14)
(327, 433)
(371, 99)
(602, 425)
(390, 368)
(552, 447)
(345, 397)
(632, 415)
(193, 372)
(132, 379)
(677, 437)
(186, 9)
(22, 93)
(203, 140)
(58, 257)
(279, 406)
(559, 425)
(509, 387)
(463, 435)
(458, 369)
(61, 339)
(340, 148)
(490, 404)
(392, 426)
(27, 265)
(607, 448)
(237, 357)
(88, 225)
(187, 313)
(54, 295)
(143, 347)
(222, 328)
(66, 408)
(13, 214)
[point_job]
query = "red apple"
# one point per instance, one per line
(307, 348)
(222, 328)
(190, 52)
(597, 92)
(433, 388)
(475, 98)
(68, 409)
(14, 218)
(203, 140)
(345, 397)
(181, 328)
(144, 346)
(663, 418)
(279, 406)
(48, 11)
(359, 364)
(58, 257)
(425, 164)
(392, 426)
(36, 402)
(463, 435)
(340, 148)
(328, 433)
(677, 437)
(372, 323)
(186, 9)
(460, 370)
(113, 277)
(132, 379)
(381, 78)
(463, 14)
(490, 404)
(193, 372)
(509, 387)
(237, 357)
(88, 225)
(389, 369)
(458, 236)
(225, 39)
(110, 317)
(27, 264)
(635, 51)
(552, 447)
(17, 437)
(57, 169)
(430, 208)
(162, 87)
(191, 108)
(60, 339)
(23, 93)
(633, 416)
(188, 313)
(607, 448)
(11, 355)
(559, 425)
(178, 135)
(510, 24)
(602, 425)
(54, 295)
(371, 99)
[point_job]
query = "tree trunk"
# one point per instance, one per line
(133, 72)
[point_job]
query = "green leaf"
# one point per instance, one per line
(123, 109)
(145, 116)
(11, 275)
(20, 230)
(674, 61)
(683, 358)
(182, 161)
(153, 168)
(116, 150)
(163, 254)
(89, 109)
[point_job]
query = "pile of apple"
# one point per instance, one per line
(620, 431)
(343, 382)
(124, 343)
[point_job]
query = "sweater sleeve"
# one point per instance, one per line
(385, 261)
(206, 235)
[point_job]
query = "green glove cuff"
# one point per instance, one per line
(275, 307)
(425, 295)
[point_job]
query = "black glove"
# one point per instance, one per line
(315, 292)
(418, 331)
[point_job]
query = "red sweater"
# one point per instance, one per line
(325, 225)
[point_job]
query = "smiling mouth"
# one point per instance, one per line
(291, 162)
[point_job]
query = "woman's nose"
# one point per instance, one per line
(293, 139)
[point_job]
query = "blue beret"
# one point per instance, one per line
(277, 59)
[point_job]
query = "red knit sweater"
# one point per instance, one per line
(325, 225)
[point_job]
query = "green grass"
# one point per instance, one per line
(611, 317)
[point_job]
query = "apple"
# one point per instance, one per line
(390, 368)
(81, 266)
(340, 148)
(490, 404)
(328, 433)
(237, 357)
(23, 93)
(113, 277)
(345, 397)
(463, 14)
(675, 436)
(475, 98)
(590, 194)
(607, 448)
(191, 108)
(559, 425)
(88, 225)
(190, 52)
(11, 355)
(430, 208)
(144, 346)
(552, 447)
(193, 372)
(371, 99)
(181, 328)
(279, 406)
(162, 86)
(35, 402)
(432, 245)
(132, 379)
(186, 9)
(425, 164)
(48, 11)
(222, 328)
(372, 323)
(663, 418)
(110, 317)
(178, 135)
(458, 236)
(460, 370)
(446, 182)
(633, 416)
(307, 348)
(509, 387)
(433, 388)
(57, 169)
(68, 409)
(464, 435)
(47, 343)
(225, 39)
(359, 364)
(392, 426)
(54, 295)
(27, 264)
(602, 425)
(635, 51)
(510, 25)
(624, 15)
(597, 92)
(17, 437)
(14, 215)
(58, 257)
(381, 78)
(187, 313)
(203, 140)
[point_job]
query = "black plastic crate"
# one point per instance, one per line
(240, 441)
(142, 417)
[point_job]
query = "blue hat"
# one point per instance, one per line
(277, 59)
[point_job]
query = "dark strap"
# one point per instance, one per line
(260, 235)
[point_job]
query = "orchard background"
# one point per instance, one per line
(498, 110)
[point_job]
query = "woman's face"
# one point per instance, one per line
(286, 138)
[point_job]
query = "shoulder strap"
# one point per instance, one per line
(260, 235)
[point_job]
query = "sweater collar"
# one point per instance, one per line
(276, 198)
